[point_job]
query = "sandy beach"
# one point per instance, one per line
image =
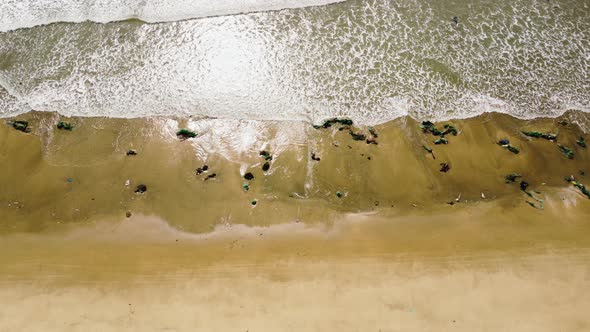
(405, 247)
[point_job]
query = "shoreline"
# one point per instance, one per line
(391, 253)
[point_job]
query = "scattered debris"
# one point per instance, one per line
(510, 178)
(132, 152)
(328, 123)
(357, 136)
(441, 140)
(566, 151)
(581, 142)
(141, 189)
(538, 134)
(186, 134)
(314, 157)
(444, 167)
(65, 125)
(249, 176)
(266, 166)
(429, 150)
(21, 126)
(266, 155)
(210, 176)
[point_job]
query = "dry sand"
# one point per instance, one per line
(391, 255)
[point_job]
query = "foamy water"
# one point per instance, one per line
(17, 14)
(370, 60)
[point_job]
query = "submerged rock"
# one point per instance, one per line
(566, 151)
(132, 152)
(444, 167)
(249, 176)
(266, 166)
(314, 157)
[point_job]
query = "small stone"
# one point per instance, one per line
(524, 185)
(254, 202)
(128, 214)
(444, 167)
(132, 152)
(249, 176)
(141, 189)
(246, 186)
(314, 157)
(210, 176)
(266, 166)
(338, 194)
(503, 142)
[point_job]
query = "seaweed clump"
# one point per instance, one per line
(581, 142)
(65, 126)
(510, 178)
(566, 151)
(21, 126)
(538, 134)
(328, 123)
(578, 185)
(186, 134)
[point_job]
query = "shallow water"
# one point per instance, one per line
(371, 60)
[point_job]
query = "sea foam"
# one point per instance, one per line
(17, 14)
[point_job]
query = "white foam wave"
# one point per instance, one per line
(17, 14)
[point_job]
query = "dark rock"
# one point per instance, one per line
(503, 142)
(202, 169)
(524, 185)
(444, 167)
(249, 176)
(128, 214)
(141, 189)
(266, 166)
(210, 176)
(314, 157)
(339, 194)
(581, 142)
(132, 152)
(254, 202)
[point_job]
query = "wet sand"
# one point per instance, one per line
(391, 255)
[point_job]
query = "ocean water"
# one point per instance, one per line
(372, 60)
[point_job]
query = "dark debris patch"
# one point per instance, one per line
(185, 134)
(444, 167)
(65, 126)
